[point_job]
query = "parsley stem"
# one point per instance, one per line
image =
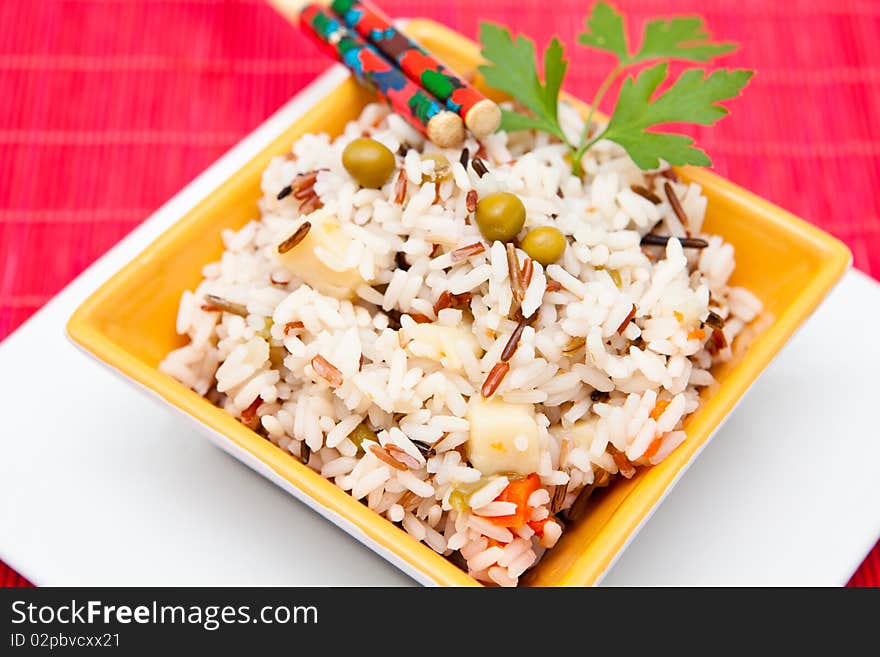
(600, 94)
(584, 144)
(591, 143)
(581, 151)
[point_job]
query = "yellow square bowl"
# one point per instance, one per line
(129, 324)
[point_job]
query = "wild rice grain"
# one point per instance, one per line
(311, 204)
(304, 193)
(646, 193)
(662, 240)
(284, 193)
(471, 200)
(327, 371)
(298, 236)
(494, 379)
(513, 342)
(444, 301)
(408, 500)
(465, 252)
(448, 300)
(479, 167)
(305, 180)
(461, 301)
(305, 453)
(676, 205)
(514, 273)
(419, 318)
(465, 158)
(383, 455)
(213, 303)
(717, 341)
(624, 466)
(527, 270)
(627, 320)
(400, 187)
(425, 450)
(402, 456)
(714, 320)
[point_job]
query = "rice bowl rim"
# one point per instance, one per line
(87, 328)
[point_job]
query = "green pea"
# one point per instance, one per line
(369, 162)
(545, 244)
(500, 216)
(462, 492)
(361, 433)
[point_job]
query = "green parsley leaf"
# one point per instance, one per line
(683, 37)
(691, 99)
(512, 69)
(606, 31)
(514, 122)
(554, 70)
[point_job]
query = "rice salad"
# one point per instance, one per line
(455, 385)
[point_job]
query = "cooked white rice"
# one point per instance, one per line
(631, 388)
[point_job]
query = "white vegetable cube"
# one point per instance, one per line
(442, 343)
(581, 433)
(319, 259)
(503, 437)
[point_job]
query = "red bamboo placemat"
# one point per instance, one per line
(111, 106)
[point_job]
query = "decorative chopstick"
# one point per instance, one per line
(481, 115)
(423, 111)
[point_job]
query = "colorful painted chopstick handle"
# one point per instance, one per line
(480, 114)
(422, 110)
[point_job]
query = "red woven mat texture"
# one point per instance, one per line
(111, 106)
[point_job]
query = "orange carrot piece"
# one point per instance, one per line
(250, 413)
(653, 448)
(538, 526)
(696, 334)
(518, 492)
(659, 409)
